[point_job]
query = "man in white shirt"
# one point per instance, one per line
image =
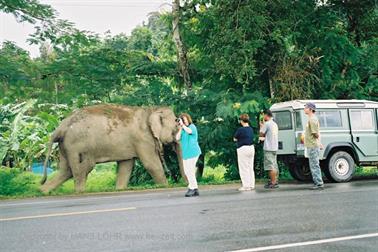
(269, 130)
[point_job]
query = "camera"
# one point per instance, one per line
(178, 119)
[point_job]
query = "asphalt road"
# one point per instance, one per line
(221, 219)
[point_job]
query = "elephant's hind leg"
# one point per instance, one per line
(123, 173)
(81, 165)
(64, 173)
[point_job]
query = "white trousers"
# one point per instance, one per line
(246, 155)
(190, 170)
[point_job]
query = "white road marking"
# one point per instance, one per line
(67, 214)
(56, 201)
(307, 243)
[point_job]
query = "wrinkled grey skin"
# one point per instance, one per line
(105, 133)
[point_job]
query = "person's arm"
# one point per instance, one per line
(236, 136)
(314, 128)
(187, 129)
(262, 129)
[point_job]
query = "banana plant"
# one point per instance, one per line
(25, 129)
(10, 137)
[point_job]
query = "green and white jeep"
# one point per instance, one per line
(349, 135)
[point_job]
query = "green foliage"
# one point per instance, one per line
(16, 71)
(214, 175)
(25, 130)
(14, 182)
(27, 10)
(141, 39)
(139, 175)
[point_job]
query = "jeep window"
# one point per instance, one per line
(330, 119)
(298, 121)
(362, 119)
(283, 120)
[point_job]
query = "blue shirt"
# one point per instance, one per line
(189, 143)
(244, 136)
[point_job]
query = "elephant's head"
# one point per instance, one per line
(163, 125)
(162, 122)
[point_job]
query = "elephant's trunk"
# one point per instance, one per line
(180, 160)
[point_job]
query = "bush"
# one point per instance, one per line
(14, 182)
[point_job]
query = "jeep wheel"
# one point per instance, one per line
(300, 171)
(340, 167)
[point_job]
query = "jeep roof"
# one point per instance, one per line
(299, 104)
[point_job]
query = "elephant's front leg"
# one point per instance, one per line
(152, 163)
(123, 173)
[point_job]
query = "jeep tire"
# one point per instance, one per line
(339, 167)
(300, 171)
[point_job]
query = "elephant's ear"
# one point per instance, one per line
(155, 123)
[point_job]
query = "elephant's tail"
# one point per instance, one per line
(54, 138)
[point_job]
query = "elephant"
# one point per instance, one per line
(106, 133)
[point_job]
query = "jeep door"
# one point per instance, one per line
(364, 132)
(286, 134)
(334, 127)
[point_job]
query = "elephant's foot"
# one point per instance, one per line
(80, 185)
(44, 189)
(161, 181)
(59, 179)
(79, 188)
(121, 183)
(120, 188)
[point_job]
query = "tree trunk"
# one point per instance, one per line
(271, 88)
(56, 93)
(181, 51)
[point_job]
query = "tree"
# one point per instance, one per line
(182, 59)
(16, 71)
(27, 10)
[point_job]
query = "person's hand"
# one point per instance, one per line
(261, 139)
(181, 123)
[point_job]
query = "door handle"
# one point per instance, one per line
(357, 139)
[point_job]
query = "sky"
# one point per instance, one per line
(99, 16)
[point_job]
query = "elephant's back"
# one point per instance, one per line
(109, 113)
(104, 123)
(112, 112)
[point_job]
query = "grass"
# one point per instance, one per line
(17, 184)
(366, 171)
